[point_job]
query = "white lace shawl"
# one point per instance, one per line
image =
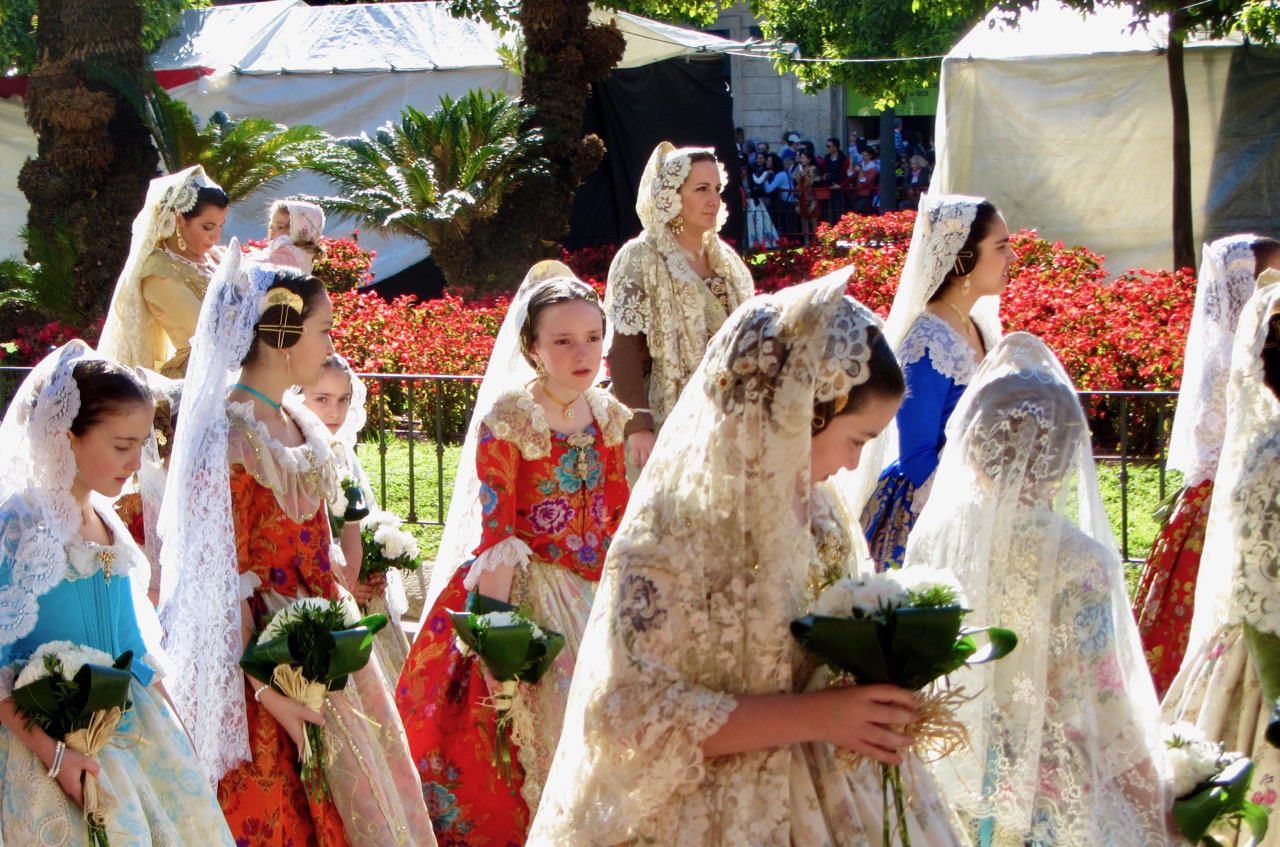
(1239, 581)
(131, 334)
(1065, 730)
(507, 371)
(942, 226)
(653, 290)
(706, 572)
(1200, 421)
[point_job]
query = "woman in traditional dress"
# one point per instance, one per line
(1165, 599)
(338, 399)
(1065, 731)
(171, 259)
(940, 330)
(541, 488)
(670, 288)
(695, 717)
(69, 572)
(246, 532)
(1230, 678)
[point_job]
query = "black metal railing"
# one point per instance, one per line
(412, 412)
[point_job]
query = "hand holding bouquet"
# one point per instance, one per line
(1211, 786)
(514, 649)
(905, 628)
(386, 546)
(305, 651)
(77, 695)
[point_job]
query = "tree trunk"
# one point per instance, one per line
(94, 155)
(1184, 246)
(564, 54)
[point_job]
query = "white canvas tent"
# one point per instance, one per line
(1065, 123)
(346, 69)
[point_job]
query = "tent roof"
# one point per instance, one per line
(288, 36)
(1055, 30)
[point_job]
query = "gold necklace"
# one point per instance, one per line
(691, 255)
(965, 319)
(564, 407)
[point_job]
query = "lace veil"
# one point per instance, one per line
(1200, 421)
(507, 370)
(306, 221)
(658, 200)
(200, 585)
(37, 470)
(942, 226)
(701, 582)
(1016, 513)
(131, 335)
(1238, 582)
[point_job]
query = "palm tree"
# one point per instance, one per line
(433, 176)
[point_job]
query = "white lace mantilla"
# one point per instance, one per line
(947, 351)
(1255, 521)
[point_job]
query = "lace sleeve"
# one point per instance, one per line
(632, 280)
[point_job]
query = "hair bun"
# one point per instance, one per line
(280, 318)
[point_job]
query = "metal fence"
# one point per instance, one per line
(415, 413)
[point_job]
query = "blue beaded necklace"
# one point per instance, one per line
(256, 393)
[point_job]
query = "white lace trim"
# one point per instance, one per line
(249, 583)
(948, 353)
(508, 553)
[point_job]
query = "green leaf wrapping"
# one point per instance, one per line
(1222, 797)
(60, 707)
(509, 652)
(910, 648)
(334, 655)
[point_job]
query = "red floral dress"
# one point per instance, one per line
(563, 497)
(1165, 600)
(264, 799)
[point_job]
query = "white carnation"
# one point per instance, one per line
(511, 618)
(71, 656)
(836, 600)
(377, 518)
(1192, 758)
(875, 592)
(920, 579)
(395, 542)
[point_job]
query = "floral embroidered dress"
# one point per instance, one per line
(376, 798)
(161, 794)
(551, 503)
(938, 366)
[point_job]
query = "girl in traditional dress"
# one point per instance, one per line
(246, 532)
(959, 255)
(1165, 599)
(670, 288)
(695, 716)
(171, 259)
(294, 228)
(541, 487)
(338, 399)
(1065, 731)
(70, 572)
(1230, 678)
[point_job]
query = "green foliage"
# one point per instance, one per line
(18, 28)
(432, 176)
(46, 286)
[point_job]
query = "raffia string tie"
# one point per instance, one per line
(292, 684)
(89, 742)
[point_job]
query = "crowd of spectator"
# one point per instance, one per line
(787, 192)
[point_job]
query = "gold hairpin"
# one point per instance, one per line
(963, 254)
(284, 297)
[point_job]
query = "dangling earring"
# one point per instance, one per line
(542, 371)
(182, 244)
(819, 423)
(964, 289)
(676, 224)
(288, 362)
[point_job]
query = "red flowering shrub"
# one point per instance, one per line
(345, 265)
(34, 343)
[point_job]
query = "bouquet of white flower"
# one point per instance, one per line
(77, 695)
(306, 650)
(1210, 785)
(386, 545)
(902, 627)
(515, 650)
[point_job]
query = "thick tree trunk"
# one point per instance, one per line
(94, 155)
(1184, 247)
(564, 54)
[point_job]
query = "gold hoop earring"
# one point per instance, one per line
(182, 244)
(676, 224)
(819, 423)
(964, 289)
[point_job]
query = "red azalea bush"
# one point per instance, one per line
(34, 342)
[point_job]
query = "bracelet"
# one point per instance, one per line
(58, 750)
(257, 694)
